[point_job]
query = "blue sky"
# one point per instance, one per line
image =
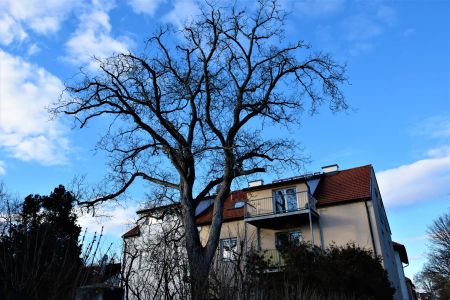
(398, 59)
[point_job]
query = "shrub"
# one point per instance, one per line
(338, 272)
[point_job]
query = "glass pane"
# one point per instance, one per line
(280, 203)
(291, 199)
(282, 240)
(295, 238)
(229, 249)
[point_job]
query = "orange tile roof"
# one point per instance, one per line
(135, 231)
(334, 188)
(343, 186)
(229, 212)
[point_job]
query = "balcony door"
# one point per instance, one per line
(285, 200)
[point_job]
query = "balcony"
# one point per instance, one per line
(285, 209)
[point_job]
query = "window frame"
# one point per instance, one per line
(289, 234)
(232, 253)
(285, 200)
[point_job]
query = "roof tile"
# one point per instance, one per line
(229, 212)
(343, 186)
(135, 231)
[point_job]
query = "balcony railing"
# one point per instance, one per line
(280, 204)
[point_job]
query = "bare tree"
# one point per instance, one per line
(439, 256)
(189, 114)
(435, 276)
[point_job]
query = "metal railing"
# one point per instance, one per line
(279, 205)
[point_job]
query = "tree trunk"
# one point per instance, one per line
(198, 256)
(199, 274)
(199, 265)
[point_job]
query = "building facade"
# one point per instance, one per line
(330, 207)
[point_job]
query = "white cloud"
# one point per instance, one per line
(40, 16)
(33, 49)
(182, 12)
(26, 132)
(148, 7)
(10, 30)
(419, 181)
(93, 38)
(115, 220)
(2, 168)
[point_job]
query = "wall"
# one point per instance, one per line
(336, 225)
(149, 257)
(401, 274)
(383, 233)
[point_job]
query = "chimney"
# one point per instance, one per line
(255, 183)
(330, 169)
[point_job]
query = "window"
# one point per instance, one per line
(239, 204)
(291, 238)
(285, 200)
(228, 249)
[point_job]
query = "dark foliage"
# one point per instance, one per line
(348, 272)
(39, 251)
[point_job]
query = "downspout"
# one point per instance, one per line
(122, 272)
(245, 228)
(370, 221)
(309, 213)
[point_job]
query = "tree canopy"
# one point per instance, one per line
(435, 276)
(189, 113)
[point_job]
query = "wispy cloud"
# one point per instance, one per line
(39, 16)
(26, 132)
(2, 168)
(361, 29)
(182, 12)
(420, 181)
(436, 126)
(10, 30)
(148, 7)
(93, 37)
(359, 23)
(318, 8)
(409, 32)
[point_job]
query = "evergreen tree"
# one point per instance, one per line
(40, 251)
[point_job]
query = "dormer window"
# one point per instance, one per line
(239, 204)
